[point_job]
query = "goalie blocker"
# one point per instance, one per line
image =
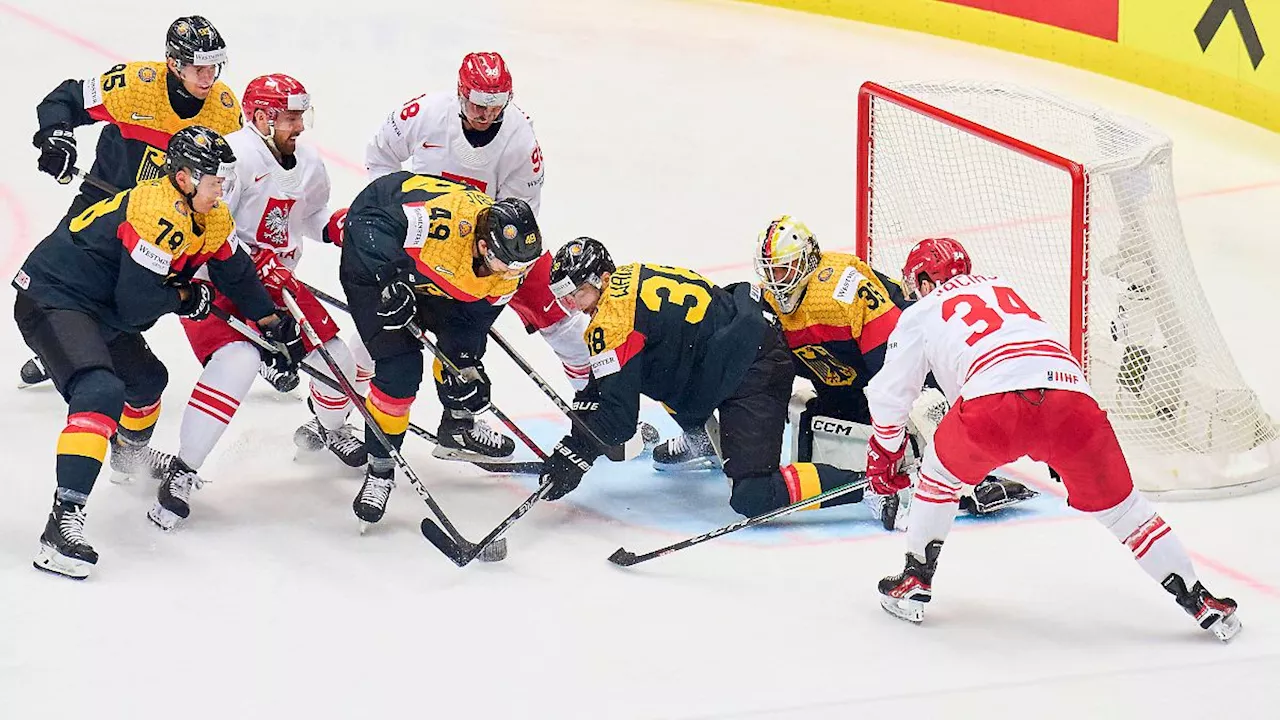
(820, 438)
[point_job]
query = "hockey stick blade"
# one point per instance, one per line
(456, 553)
(521, 467)
(625, 558)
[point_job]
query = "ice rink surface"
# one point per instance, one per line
(673, 131)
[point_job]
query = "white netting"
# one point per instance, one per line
(1153, 353)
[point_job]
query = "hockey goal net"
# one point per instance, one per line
(1075, 205)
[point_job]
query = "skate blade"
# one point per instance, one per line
(119, 478)
(164, 519)
(51, 561)
(910, 610)
(364, 526)
(445, 453)
(695, 465)
(1226, 628)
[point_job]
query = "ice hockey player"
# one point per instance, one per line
(480, 137)
(143, 104)
(837, 313)
(672, 335)
(278, 194)
(420, 249)
(1016, 391)
(88, 291)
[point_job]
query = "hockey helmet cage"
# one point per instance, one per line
(936, 259)
(786, 256)
(193, 40)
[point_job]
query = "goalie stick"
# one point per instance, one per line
(626, 558)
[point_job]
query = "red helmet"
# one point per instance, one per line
(936, 259)
(273, 93)
(484, 80)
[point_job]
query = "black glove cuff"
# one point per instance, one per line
(399, 269)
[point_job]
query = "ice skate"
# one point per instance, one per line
(130, 461)
(890, 510)
(686, 452)
(1217, 615)
(173, 497)
(32, 373)
(281, 381)
(345, 442)
(904, 595)
(469, 439)
(63, 549)
(371, 502)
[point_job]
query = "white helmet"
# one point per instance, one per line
(787, 255)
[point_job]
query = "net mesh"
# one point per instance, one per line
(1152, 350)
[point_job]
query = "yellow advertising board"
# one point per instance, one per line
(1223, 54)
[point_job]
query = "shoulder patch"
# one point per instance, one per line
(825, 274)
(92, 91)
(846, 290)
(227, 101)
(146, 74)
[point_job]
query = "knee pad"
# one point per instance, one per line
(146, 382)
(97, 390)
(242, 356)
(758, 494)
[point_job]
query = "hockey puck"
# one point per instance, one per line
(495, 551)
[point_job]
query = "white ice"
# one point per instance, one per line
(673, 131)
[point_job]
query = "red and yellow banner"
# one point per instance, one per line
(1223, 54)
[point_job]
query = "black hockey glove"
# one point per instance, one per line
(57, 152)
(565, 467)
(398, 305)
(199, 301)
(284, 333)
(471, 391)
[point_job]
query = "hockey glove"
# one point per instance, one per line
(398, 306)
(199, 301)
(285, 335)
(884, 468)
(57, 152)
(470, 392)
(564, 468)
(274, 275)
(332, 232)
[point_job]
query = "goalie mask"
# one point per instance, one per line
(786, 257)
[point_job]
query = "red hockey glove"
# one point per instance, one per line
(274, 275)
(884, 468)
(333, 229)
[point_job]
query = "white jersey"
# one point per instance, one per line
(978, 338)
(427, 132)
(273, 207)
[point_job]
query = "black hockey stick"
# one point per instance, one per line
(455, 537)
(521, 467)
(95, 181)
(626, 558)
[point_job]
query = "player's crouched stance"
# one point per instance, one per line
(1017, 392)
(672, 335)
(86, 293)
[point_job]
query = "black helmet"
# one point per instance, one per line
(200, 150)
(511, 231)
(193, 40)
(580, 262)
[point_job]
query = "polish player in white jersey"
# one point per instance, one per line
(478, 136)
(1015, 390)
(279, 195)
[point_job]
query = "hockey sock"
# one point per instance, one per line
(226, 379)
(392, 416)
(332, 406)
(138, 423)
(1135, 522)
(82, 446)
(806, 480)
(364, 366)
(932, 513)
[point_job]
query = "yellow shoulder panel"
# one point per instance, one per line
(158, 215)
(221, 111)
(615, 317)
(443, 230)
(844, 292)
